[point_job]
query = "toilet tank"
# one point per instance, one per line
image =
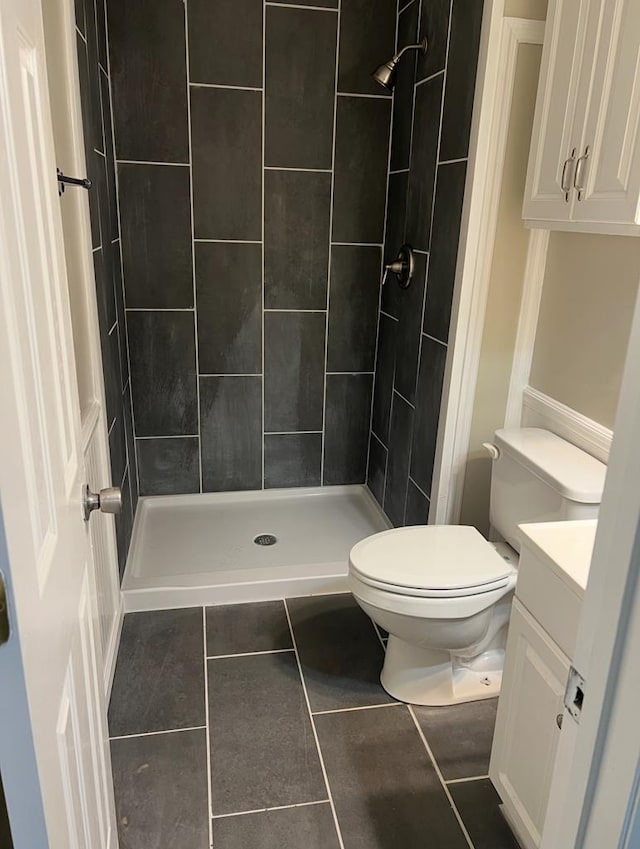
(540, 477)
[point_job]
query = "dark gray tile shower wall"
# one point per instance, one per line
(432, 110)
(252, 150)
(95, 95)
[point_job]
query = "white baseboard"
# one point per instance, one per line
(540, 410)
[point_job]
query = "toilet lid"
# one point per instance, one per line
(444, 560)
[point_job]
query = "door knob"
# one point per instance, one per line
(108, 500)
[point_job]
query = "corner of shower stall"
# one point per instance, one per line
(230, 547)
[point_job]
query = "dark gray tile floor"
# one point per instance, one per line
(281, 736)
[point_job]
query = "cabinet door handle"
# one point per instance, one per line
(566, 178)
(559, 719)
(580, 172)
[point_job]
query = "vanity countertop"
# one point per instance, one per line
(566, 547)
(553, 574)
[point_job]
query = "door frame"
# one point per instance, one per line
(500, 40)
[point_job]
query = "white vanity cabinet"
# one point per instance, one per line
(584, 162)
(527, 728)
(552, 576)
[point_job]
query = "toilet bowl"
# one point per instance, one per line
(444, 595)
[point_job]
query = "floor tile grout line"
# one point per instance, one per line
(466, 780)
(275, 808)
(352, 709)
(379, 635)
(206, 716)
(247, 654)
(313, 726)
(155, 733)
(440, 777)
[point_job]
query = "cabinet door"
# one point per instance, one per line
(554, 138)
(610, 168)
(526, 735)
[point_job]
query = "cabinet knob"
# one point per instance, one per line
(559, 719)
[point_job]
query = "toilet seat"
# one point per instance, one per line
(431, 561)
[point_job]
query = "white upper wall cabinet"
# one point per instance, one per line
(584, 164)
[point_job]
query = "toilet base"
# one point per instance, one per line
(422, 676)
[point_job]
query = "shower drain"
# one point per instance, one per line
(265, 539)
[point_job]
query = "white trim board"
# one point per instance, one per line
(501, 38)
(527, 325)
(540, 410)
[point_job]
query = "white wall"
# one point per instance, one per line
(588, 296)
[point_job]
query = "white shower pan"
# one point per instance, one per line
(201, 549)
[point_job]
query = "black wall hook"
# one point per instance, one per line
(63, 181)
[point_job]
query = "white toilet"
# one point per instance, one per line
(444, 593)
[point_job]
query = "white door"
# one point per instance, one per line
(553, 146)
(41, 462)
(610, 167)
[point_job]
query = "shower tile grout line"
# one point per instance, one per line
(452, 161)
(229, 241)
(287, 168)
(292, 432)
(275, 808)
(357, 244)
(227, 87)
(171, 436)
(129, 385)
(304, 8)
(424, 294)
(308, 703)
(330, 251)
(420, 489)
(263, 294)
(388, 97)
(193, 252)
(431, 76)
(381, 293)
(406, 400)
(440, 777)
(381, 311)
(433, 206)
(404, 8)
(207, 731)
(433, 339)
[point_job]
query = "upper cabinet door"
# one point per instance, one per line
(554, 146)
(607, 178)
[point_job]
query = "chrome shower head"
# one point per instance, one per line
(385, 74)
